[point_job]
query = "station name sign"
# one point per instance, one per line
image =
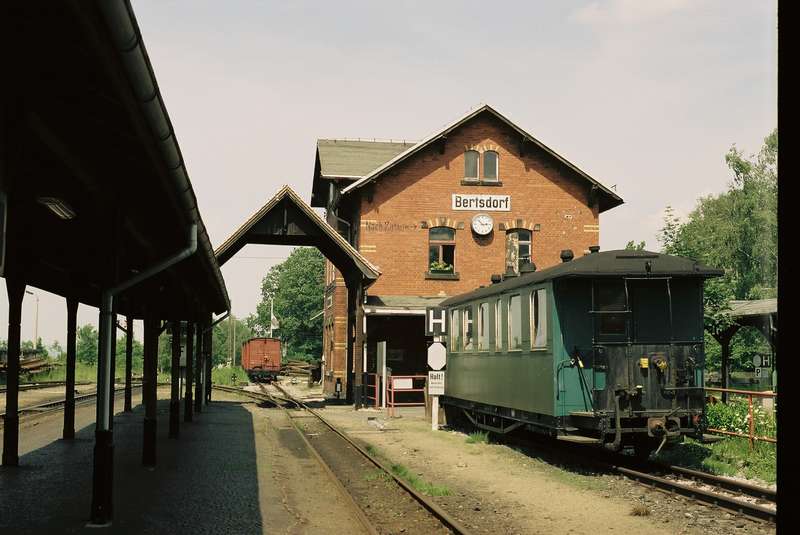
(489, 203)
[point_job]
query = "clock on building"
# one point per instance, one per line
(482, 224)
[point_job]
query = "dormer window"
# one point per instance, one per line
(490, 165)
(471, 158)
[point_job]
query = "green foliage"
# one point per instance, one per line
(733, 416)
(730, 457)
(439, 266)
(229, 376)
(297, 287)
(225, 333)
(478, 437)
(736, 231)
(86, 344)
(632, 246)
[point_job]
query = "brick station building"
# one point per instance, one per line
(438, 218)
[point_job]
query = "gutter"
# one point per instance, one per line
(126, 37)
(107, 326)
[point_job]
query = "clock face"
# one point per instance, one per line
(482, 224)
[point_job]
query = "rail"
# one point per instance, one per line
(403, 384)
(750, 435)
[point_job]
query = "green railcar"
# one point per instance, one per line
(603, 349)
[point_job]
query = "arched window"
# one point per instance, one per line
(491, 161)
(441, 250)
(518, 249)
(471, 165)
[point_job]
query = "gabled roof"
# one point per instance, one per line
(609, 199)
(754, 307)
(353, 159)
(619, 263)
(274, 224)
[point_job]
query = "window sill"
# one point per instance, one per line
(467, 182)
(441, 276)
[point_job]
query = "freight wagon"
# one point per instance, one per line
(605, 349)
(261, 359)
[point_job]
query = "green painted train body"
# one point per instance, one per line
(610, 341)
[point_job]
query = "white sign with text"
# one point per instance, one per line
(487, 203)
(435, 383)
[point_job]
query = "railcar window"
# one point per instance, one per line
(538, 319)
(514, 322)
(454, 330)
(610, 298)
(498, 322)
(466, 314)
(483, 323)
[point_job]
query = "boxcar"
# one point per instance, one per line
(261, 358)
(605, 349)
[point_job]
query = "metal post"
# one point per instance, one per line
(69, 394)
(128, 362)
(149, 394)
(187, 400)
(207, 358)
(726, 352)
(16, 291)
(113, 368)
(102, 482)
(199, 369)
(750, 415)
(174, 401)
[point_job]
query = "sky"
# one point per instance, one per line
(646, 97)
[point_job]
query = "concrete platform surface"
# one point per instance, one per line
(231, 471)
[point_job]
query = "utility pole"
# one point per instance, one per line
(271, 315)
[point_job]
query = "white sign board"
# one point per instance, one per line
(762, 372)
(435, 383)
(756, 360)
(402, 383)
(485, 203)
(437, 356)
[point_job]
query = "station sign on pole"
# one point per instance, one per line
(435, 321)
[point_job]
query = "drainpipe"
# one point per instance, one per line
(104, 449)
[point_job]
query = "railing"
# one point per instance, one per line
(403, 384)
(751, 421)
(373, 387)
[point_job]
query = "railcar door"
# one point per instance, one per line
(611, 324)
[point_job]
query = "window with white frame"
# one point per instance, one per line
(514, 322)
(491, 162)
(471, 158)
(539, 319)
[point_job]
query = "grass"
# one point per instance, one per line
(640, 510)
(729, 457)
(83, 373)
(419, 484)
(478, 437)
(229, 376)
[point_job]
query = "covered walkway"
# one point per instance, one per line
(96, 206)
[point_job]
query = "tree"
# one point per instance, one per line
(86, 345)
(632, 246)
(297, 287)
(736, 231)
(221, 340)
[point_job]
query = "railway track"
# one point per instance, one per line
(753, 501)
(41, 409)
(43, 384)
(438, 516)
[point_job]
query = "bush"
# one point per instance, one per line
(733, 416)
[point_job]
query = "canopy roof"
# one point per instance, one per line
(619, 263)
(755, 307)
(87, 128)
(286, 220)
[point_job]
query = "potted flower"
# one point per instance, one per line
(441, 267)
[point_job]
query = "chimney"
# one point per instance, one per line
(594, 249)
(566, 255)
(496, 278)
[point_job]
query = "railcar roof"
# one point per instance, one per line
(619, 263)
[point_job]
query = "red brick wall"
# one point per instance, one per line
(334, 330)
(418, 190)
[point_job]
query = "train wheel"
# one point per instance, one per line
(455, 417)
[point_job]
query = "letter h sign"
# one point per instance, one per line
(435, 321)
